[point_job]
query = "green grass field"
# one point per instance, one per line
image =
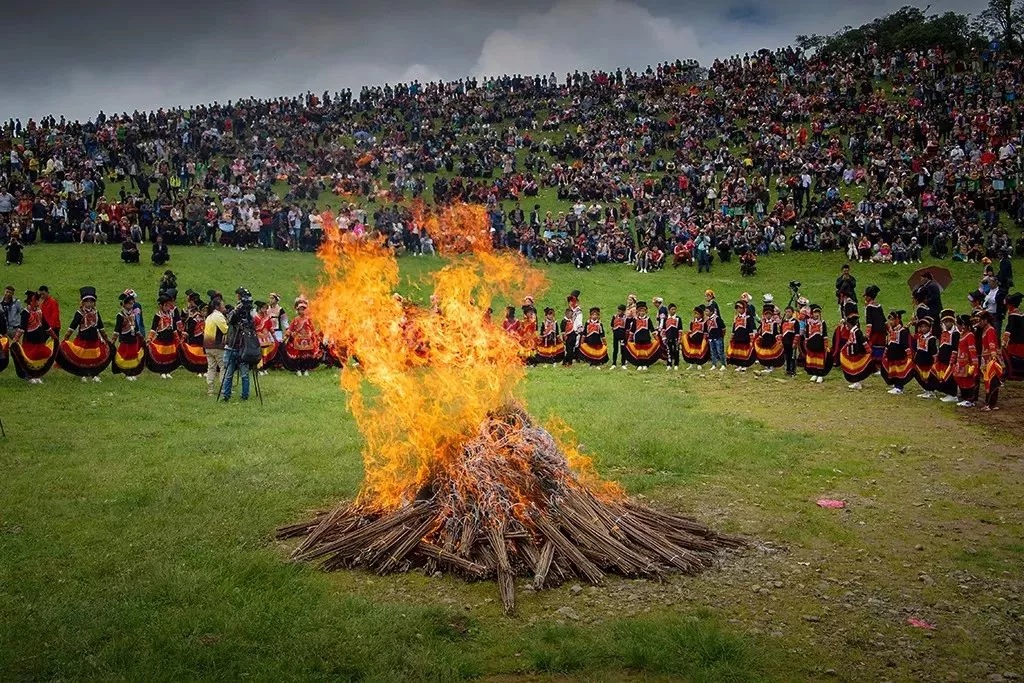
(136, 519)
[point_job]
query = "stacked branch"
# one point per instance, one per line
(510, 507)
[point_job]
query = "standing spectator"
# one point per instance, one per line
(846, 285)
(50, 308)
(214, 337)
(11, 309)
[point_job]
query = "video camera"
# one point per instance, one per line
(794, 285)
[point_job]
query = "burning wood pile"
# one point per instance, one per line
(511, 506)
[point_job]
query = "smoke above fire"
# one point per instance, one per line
(426, 377)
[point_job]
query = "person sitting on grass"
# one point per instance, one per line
(130, 251)
(160, 253)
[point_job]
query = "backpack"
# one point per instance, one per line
(248, 346)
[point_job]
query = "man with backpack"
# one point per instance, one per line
(242, 346)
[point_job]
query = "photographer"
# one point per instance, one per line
(238, 352)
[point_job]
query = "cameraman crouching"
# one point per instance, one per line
(240, 329)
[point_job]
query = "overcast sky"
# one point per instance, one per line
(66, 57)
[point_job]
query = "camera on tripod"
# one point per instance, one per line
(794, 286)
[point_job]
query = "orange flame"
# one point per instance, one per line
(426, 379)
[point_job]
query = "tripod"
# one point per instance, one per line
(254, 377)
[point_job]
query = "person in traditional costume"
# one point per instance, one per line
(897, 361)
(510, 324)
(164, 338)
(696, 349)
(593, 347)
(991, 361)
(768, 347)
(528, 333)
(572, 331)
(264, 324)
(130, 350)
(926, 348)
(671, 328)
(874, 323)
(619, 336)
(86, 351)
(942, 368)
(790, 339)
(852, 352)
(1013, 338)
(965, 364)
(817, 360)
(740, 351)
(34, 345)
(642, 343)
(191, 351)
(550, 349)
(5, 342)
(278, 315)
(301, 341)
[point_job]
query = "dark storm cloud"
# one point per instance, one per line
(66, 57)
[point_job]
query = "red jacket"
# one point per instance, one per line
(51, 313)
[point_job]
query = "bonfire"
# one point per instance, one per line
(458, 476)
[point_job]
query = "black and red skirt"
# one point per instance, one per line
(642, 354)
(32, 360)
(695, 347)
(769, 351)
(84, 357)
(129, 358)
(856, 367)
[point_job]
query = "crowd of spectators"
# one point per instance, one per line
(883, 156)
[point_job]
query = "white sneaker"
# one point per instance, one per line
(856, 385)
(927, 394)
(813, 379)
(96, 378)
(84, 380)
(820, 380)
(722, 368)
(767, 371)
(689, 366)
(298, 373)
(948, 399)
(625, 367)
(739, 369)
(896, 391)
(965, 404)
(675, 368)
(305, 373)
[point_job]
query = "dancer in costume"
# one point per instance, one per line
(278, 315)
(86, 351)
(817, 359)
(874, 323)
(1013, 338)
(528, 333)
(593, 347)
(642, 343)
(790, 339)
(897, 361)
(991, 361)
(852, 352)
(696, 350)
(740, 351)
(965, 364)
(550, 349)
(670, 330)
(572, 327)
(130, 352)
(942, 369)
(191, 352)
(619, 336)
(164, 337)
(301, 341)
(926, 348)
(34, 345)
(768, 347)
(510, 324)
(265, 327)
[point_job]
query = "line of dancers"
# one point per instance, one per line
(951, 359)
(177, 338)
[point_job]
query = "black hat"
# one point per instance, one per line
(947, 314)
(925, 320)
(872, 291)
(260, 304)
(529, 309)
(243, 292)
(213, 294)
(125, 297)
(550, 310)
(898, 314)
(1015, 299)
(169, 273)
(163, 299)
(853, 315)
(964, 319)
(700, 309)
(31, 294)
(574, 296)
(87, 293)
(621, 307)
(641, 304)
(815, 307)
(171, 292)
(739, 303)
(595, 309)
